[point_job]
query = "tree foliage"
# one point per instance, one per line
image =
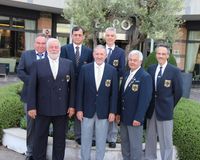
(157, 19)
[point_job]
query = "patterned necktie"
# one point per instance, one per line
(109, 54)
(159, 77)
(77, 55)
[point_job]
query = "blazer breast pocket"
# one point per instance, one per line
(108, 83)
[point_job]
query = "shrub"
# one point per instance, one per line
(11, 108)
(187, 129)
(151, 59)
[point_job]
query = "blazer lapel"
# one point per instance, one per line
(82, 53)
(92, 76)
(49, 67)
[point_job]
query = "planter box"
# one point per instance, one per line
(15, 139)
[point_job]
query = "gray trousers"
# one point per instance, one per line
(87, 128)
(162, 129)
(112, 132)
(131, 142)
(30, 130)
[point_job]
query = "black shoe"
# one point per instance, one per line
(29, 158)
(112, 145)
(93, 143)
(78, 141)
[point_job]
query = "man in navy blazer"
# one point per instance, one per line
(116, 58)
(23, 72)
(135, 96)
(50, 99)
(167, 84)
(84, 56)
(96, 102)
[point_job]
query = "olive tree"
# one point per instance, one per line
(156, 19)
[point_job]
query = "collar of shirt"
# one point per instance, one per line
(133, 72)
(99, 66)
(107, 48)
(75, 45)
(43, 54)
(163, 68)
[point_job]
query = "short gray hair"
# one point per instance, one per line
(100, 47)
(111, 29)
(136, 52)
(163, 45)
(50, 40)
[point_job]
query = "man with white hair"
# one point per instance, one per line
(50, 99)
(135, 96)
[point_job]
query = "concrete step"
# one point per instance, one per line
(15, 139)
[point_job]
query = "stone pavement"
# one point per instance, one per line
(7, 154)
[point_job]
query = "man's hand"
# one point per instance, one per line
(70, 112)
(111, 117)
(136, 123)
(117, 118)
(32, 113)
(79, 115)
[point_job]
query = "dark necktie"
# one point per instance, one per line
(40, 55)
(109, 54)
(77, 55)
(159, 77)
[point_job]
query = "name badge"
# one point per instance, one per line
(135, 87)
(108, 83)
(115, 62)
(67, 78)
(167, 83)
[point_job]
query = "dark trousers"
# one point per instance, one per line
(41, 137)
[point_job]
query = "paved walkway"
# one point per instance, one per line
(6, 154)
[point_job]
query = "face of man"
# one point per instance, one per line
(134, 62)
(110, 38)
(53, 50)
(99, 55)
(162, 55)
(40, 44)
(78, 37)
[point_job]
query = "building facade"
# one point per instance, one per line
(21, 20)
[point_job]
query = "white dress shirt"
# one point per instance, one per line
(107, 49)
(54, 66)
(98, 73)
(131, 75)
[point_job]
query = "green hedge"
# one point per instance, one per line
(11, 108)
(187, 129)
(151, 59)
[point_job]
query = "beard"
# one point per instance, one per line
(54, 55)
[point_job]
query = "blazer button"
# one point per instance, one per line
(59, 98)
(123, 108)
(59, 89)
(97, 95)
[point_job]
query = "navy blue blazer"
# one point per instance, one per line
(23, 70)
(117, 60)
(49, 96)
(169, 91)
(135, 99)
(101, 102)
(67, 51)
